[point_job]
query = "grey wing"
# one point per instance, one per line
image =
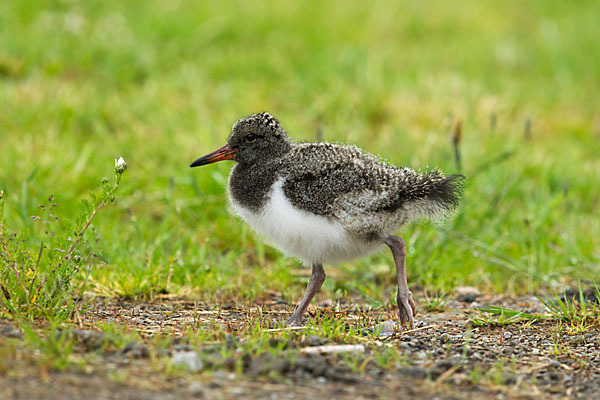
(369, 212)
(316, 189)
(360, 192)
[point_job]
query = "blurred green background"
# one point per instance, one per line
(161, 82)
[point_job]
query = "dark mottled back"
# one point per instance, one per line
(362, 191)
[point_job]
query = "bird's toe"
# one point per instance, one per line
(407, 309)
(293, 322)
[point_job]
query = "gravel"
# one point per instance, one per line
(465, 361)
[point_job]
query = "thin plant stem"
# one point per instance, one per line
(80, 234)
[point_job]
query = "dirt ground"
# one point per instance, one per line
(445, 357)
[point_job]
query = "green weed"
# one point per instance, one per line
(579, 314)
(55, 347)
(498, 316)
(39, 283)
(435, 301)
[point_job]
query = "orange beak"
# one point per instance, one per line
(221, 154)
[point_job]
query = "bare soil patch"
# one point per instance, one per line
(445, 357)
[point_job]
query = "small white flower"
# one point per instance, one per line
(120, 165)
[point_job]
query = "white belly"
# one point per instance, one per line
(309, 237)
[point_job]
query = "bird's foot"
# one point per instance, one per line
(294, 321)
(407, 308)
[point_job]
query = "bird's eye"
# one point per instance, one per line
(251, 137)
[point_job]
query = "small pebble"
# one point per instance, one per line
(589, 337)
(314, 340)
(466, 290)
(444, 338)
(10, 332)
(507, 335)
(134, 349)
(196, 389)
(189, 359)
(468, 298)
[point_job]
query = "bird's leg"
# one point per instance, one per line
(317, 277)
(406, 305)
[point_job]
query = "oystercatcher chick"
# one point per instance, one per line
(325, 203)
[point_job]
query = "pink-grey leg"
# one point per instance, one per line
(406, 305)
(317, 277)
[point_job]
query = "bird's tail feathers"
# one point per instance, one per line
(436, 196)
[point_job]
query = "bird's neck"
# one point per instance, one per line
(250, 184)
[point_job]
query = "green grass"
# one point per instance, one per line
(575, 315)
(498, 316)
(435, 302)
(161, 83)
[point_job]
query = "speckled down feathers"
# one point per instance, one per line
(322, 202)
(367, 196)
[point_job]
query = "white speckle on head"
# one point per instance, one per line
(301, 234)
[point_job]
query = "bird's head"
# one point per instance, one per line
(254, 139)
